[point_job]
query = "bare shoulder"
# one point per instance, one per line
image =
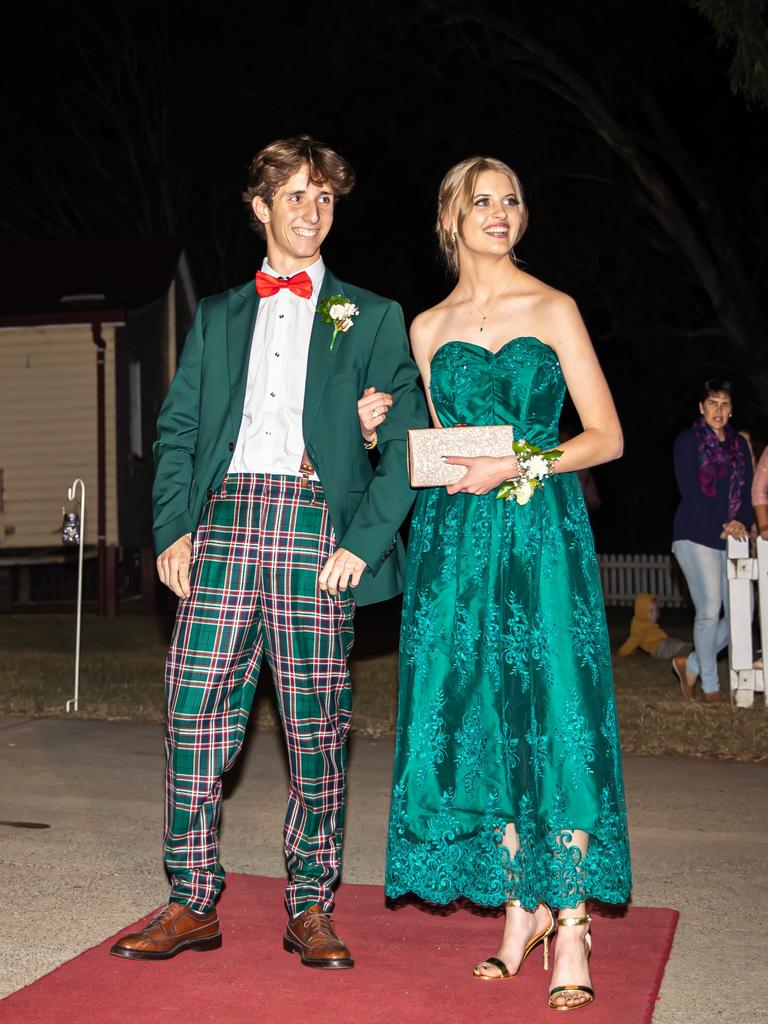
(427, 326)
(558, 313)
(421, 325)
(546, 299)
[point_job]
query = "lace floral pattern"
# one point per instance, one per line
(461, 377)
(428, 740)
(538, 747)
(419, 637)
(507, 715)
(471, 743)
(490, 657)
(578, 744)
(466, 633)
(515, 641)
(449, 863)
(507, 744)
(586, 639)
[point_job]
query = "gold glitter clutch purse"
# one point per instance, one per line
(426, 448)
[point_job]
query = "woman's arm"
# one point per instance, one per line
(745, 515)
(760, 495)
(686, 463)
(388, 498)
(629, 646)
(601, 439)
(379, 402)
(423, 346)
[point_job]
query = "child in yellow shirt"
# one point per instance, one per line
(646, 633)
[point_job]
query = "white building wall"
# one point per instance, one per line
(48, 431)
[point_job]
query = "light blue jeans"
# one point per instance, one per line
(705, 573)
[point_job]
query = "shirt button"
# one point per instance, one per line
(277, 355)
(271, 394)
(280, 316)
(231, 446)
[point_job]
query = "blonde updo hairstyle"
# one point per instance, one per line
(454, 203)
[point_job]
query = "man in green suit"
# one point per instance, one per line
(268, 516)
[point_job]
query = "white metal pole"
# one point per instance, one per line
(71, 494)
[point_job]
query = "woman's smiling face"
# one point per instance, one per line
(493, 223)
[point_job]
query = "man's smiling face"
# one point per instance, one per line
(296, 221)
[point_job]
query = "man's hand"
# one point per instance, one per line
(342, 570)
(173, 565)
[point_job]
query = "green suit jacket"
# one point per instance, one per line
(200, 420)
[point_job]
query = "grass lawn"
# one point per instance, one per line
(122, 678)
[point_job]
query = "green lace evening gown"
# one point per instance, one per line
(506, 708)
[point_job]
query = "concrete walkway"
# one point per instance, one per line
(698, 835)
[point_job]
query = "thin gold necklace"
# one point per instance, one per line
(483, 315)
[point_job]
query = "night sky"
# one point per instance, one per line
(142, 122)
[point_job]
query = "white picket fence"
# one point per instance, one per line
(743, 573)
(625, 576)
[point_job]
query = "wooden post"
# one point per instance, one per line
(742, 570)
(110, 596)
(762, 593)
(101, 473)
(25, 585)
(149, 602)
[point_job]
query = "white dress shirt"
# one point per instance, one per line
(271, 439)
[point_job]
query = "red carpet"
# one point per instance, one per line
(412, 967)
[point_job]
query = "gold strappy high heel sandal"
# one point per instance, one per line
(504, 972)
(574, 922)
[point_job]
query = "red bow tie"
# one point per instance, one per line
(300, 284)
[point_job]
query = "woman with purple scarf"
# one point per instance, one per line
(714, 474)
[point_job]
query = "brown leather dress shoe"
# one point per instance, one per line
(173, 930)
(311, 934)
(713, 697)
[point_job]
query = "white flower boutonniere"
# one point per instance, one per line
(337, 310)
(535, 466)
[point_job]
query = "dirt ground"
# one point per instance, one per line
(122, 679)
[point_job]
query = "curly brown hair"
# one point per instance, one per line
(274, 164)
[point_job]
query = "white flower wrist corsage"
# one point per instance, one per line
(535, 466)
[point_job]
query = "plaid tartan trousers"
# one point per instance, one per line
(256, 557)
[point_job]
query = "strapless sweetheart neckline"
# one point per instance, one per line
(488, 351)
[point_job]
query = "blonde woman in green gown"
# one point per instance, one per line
(507, 785)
